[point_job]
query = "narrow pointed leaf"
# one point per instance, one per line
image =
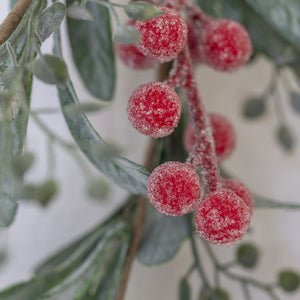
(162, 238)
(50, 20)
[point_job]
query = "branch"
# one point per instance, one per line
(139, 222)
(13, 19)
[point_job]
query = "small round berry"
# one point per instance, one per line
(154, 109)
(222, 218)
(174, 188)
(225, 44)
(223, 134)
(163, 37)
(241, 190)
(132, 57)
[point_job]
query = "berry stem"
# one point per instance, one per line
(203, 155)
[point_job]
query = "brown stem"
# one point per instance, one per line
(139, 222)
(13, 19)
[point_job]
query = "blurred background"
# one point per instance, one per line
(259, 161)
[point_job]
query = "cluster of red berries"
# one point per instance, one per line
(154, 109)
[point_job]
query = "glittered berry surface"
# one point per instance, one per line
(225, 44)
(174, 189)
(222, 218)
(162, 37)
(154, 109)
(240, 190)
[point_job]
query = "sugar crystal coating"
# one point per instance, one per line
(222, 218)
(163, 37)
(154, 109)
(174, 188)
(223, 134)
(132, 57)
(225, 44)
(239, 189)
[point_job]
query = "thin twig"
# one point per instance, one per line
(13, 19)
(139, 222)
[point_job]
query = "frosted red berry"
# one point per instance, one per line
(222, 218)
(154, 109)
(132, 57)
(174, 188)
(162, 37)
(223, 134)
(225, 44)
(240, 190)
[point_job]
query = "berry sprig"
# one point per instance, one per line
(223, 215)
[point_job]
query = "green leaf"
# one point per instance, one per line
(125, 173)
(50, 69)
(93, 53)
(80, 274)
(50, 20)
(78, 12)
(126, 35)
(141, 10)
(98, 189)
(162, 238)
(283, 16)
(47, 191)
(184, 290)
(295, 101)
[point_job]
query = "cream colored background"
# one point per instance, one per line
(258, 161)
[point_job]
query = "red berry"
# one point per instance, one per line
(154, 109)
(132, 57)
(222, 218)
(225, 44)
(240, 190)
(223, 134)
(174, 188)
(163, 37)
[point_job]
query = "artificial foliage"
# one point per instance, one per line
(190, 197)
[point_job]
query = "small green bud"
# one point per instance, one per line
(141, 10)
(288, 280)
(216, 294)
(247, 255)
(254, 108)
(46, 191)
(98, 189)
(50, 69)
(285, 138)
